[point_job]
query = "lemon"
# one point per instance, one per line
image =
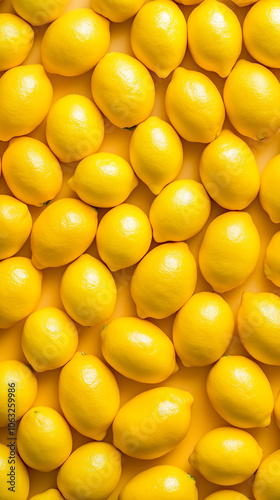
(89, 395)
(266, 484)
(123, 237)
(268, 192)
(164, 280)
(16, 40)
(203, 329)
(75, 128)
(49, 339)
(272, 260)
(138, 349)
(31, 171)
(18, 478)
(161, 483)
(44, 439)
(229, 171)
(18, 384)
(153, 423)
(103, 180)
(15, 224)
(194, 106)
(160, 161)
(25, 99)
(117, 11)
(229, 251)
(75, 42)
(92, 471)
(226, 495)
(251, 96)
(88, 291)
(123, 89)
(51, 494)
(180, 211)
(62, 232)
(159, 36)
(38, 12)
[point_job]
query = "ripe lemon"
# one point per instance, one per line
(269, 196)
(18, 384)
(44, 439)
(220, 46)
(194, 106)
(62, 232)
(31, 171)
(229, 251)
(15, 223)
(272, 260)
(117, 11)
(123, 89)
(88, 291)
(38, 12)
(19, 481)
(160, 161)
(266, 484)
(124, 236)
(180, 211)
(229, 171)
(153, 423)
(226, 495)
(277, 410)
(16, 40)
(92, 471)
(103, 180)
(20, 290)
(138, 349)
(203, 329)
(251, 96)
(159, 36)
(164, 280)
(75, 128)
(49, 339)
(51, 494)
(75, 42)
(25, 99)
(89, 395)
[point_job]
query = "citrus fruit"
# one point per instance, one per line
(226, 495)
(15, 223)
(16, 39)
(266, 485)
(268, 192)
(272, 260)
(39, 12)
(117, 11)
(277, 409)
(51, 494)
(18, 478)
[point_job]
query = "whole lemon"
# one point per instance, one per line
(75, 42)
(272, 260)
(269, 196)
(229, 251)
(16, 478)
(117, 11)
(15, 223)
(31, 171)
(161, 159)
(88, 291)
(180, 211)
(203, 329)
(75, 128)
(89, 395)
(39, 12)
(266, 484)
(25, 99)
(226, 495)
(16, 40)
(194, 106)
(229, 171)
(123, 89)
(164, 280)
(51, 494)
(153, 423)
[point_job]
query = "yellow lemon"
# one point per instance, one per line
(251, 96)
(31, 171)
(180, 211)
(277, 410)
(88, 291)
(138, 349)
(89, 395)
(25, 99)
(92, 471)
(20, 290)
(161, 483)
(16, 40)
(194, 106)
(159, 36)
(272, 260)
(156, 153)
(15, 223)
(62, 232)
(266, 485)
(124, 236)
(226, 495)
(229, 251)
(13, 474)
(75, 128)
(49, 339)
(39, 12)
(203, 329)
(164, 280)
(18, 387)
(123, 89)
(269, 196)
(103, 180)
(117, 11)
(44, 439)
(229, 171)
(153, 423)
(51, 494)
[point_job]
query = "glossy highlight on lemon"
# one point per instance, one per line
(15, 223)
(268, 192)
(39, 12)
(21, 490)
(16, 40)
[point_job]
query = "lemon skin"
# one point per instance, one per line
(16, 40)
(268, 192)
(21, 491)
(15, 223)
(39, 12)
(266, 484)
